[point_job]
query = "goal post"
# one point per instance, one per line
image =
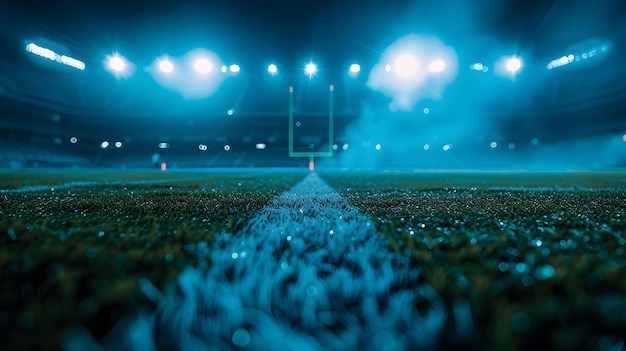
(312, 154)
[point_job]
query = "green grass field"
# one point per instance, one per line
(537, 256)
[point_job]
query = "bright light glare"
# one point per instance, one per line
(405, 66)
(261, 146)
(412, 60)
(437, 65)
(477, 66)
(234, 68)
(355, 68)
(166, 66)
(117, 63)
(272, 69)
(203, 66)
(41, 51)
(118, 144)
(513, 64)
(310, 69)
(104, 144)
(53, 56)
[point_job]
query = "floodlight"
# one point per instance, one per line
(203, 66)
(117, 63)
(354, 70)
(166, 66)
(477, 66)
(513, 64)
(235, 68)
(41, 51)
(53, 56)
(437, 65)
(272, 69)
(405, 66)
(310, 69)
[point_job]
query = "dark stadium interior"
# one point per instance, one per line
(544, 113)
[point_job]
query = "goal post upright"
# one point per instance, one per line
(312, 154)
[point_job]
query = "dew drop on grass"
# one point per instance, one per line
(11, 233)
(522, 267)
(544, 272)
(241, 337)
(527, 281)
(503, 266)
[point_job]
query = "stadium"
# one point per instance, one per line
(333, 175)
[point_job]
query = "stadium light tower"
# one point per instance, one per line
(354, 69)
(513, 64)
(166, 66)
(272, 69)
(405, 66)
(437, 66)
(117, 63)
(203, 66)
(310, 69)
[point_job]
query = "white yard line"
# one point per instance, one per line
(308, 272)
(88, 184)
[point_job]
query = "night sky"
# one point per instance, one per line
(280, 28)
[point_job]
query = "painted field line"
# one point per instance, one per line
(308, 272)
(90, 184)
